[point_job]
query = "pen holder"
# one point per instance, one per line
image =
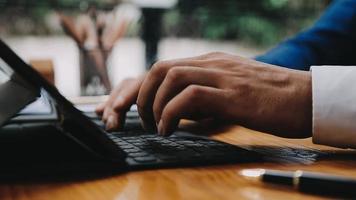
(94, 79)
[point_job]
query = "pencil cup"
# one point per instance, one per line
(94, 79)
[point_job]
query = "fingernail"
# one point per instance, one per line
(160, 128)
(111, 123)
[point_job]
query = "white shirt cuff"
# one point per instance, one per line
(334, 105)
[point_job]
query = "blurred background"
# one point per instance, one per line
(87, 47)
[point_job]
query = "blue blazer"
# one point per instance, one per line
(330, 41)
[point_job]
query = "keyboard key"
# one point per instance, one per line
(144, 159)
(181, 148)
(137, 154)
(134, 150)
(127, 137)
(122, 143)
(138, 144)
(133, 140)
(151, 136)
(194, 145)
(117, 139)
(185, 142)
(174, 144)
(118, 133)
(132, 115)
(152, 139)
(128, 146)
(165, 157)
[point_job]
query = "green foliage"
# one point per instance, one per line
(257, 22)
(253, 29)
(29, 16)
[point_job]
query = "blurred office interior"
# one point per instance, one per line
(133, 34)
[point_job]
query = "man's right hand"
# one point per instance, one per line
(123, 96)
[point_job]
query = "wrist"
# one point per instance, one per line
(303, 107)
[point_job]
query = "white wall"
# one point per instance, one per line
(127, 59)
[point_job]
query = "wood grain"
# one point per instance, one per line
(214, 182)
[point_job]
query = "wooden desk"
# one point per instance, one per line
(214, 182)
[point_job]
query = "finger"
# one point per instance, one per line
(119, 102)
(127, 96)
(115, 94)
(179, 78)
(109, 103)
(99, 110)
(150, 85)
(114, 122)
(193, 101)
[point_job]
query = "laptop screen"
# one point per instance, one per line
(20, 84)
(15, 92)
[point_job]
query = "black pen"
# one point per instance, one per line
(309, 182)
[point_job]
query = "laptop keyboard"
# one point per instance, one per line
(154, 148)
(149, 148)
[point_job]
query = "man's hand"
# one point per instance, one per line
(114, 110)
(230, 88)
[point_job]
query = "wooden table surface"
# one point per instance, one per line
(210, 182)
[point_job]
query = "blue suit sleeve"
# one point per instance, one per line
(330, 41)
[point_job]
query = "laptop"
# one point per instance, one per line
(64, 140)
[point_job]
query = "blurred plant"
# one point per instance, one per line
(29, 16)
(258, 30)
(257, 22)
